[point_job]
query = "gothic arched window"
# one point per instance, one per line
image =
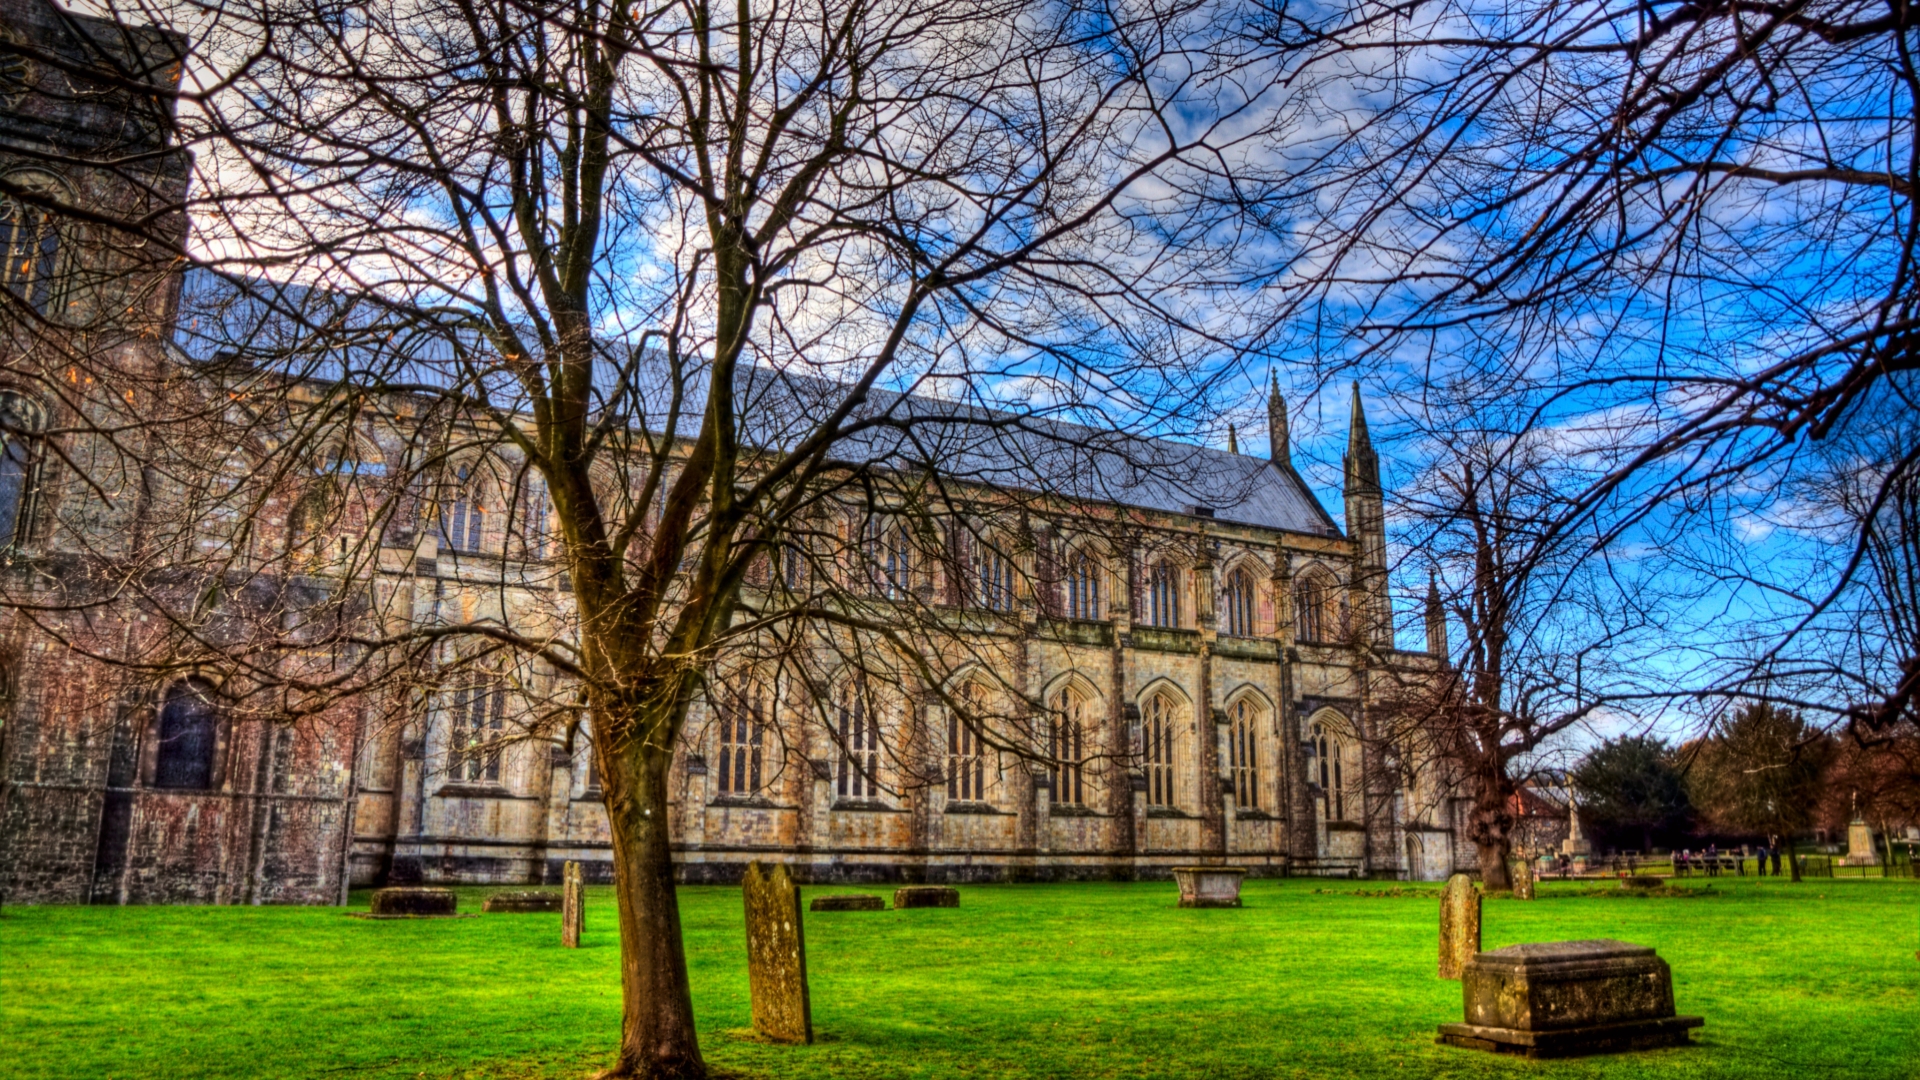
(742, 735)
(1067, 749)
(189, 736)
(1159, 734)
(1315, 602)
(1083, 587)
(966, 755)
(463, 517)
(478, 717)
(1330, 751)
(994, 576)
(21, 421)
(1163, 595)
(890, 557)
(859, 772)
(1239, 603)
(1243, 753)
(30, 241)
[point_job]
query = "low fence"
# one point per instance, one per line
(1730, 865)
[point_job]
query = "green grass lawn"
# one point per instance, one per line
(1072, 981)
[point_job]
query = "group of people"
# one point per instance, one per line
(1685, 861)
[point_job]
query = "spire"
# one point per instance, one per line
(1363, 465)
(1233, 441)
(1436, 619)
(1281, 452)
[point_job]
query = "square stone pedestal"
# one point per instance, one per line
(1565, 998)
(1209, 886)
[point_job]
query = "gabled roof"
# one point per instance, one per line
(966, 443)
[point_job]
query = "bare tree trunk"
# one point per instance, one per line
(657, 1038)
(1491, 832)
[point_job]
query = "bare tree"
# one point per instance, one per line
(718, 340)
(1692, 223)
(1548, 630)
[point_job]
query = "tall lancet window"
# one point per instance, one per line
(1083, 587)
(1239, 601)
(1243, 754)
(1163, 595)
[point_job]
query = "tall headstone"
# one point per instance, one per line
(1459, 925)
(573, 905)
(1522, 874)
(776, 956)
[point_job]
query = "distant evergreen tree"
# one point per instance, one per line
(1630, 785)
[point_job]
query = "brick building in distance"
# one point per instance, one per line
(1208, 667)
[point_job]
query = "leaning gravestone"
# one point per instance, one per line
(776, 956)
(1459, 925)
(926, 896)
(1561, 998)
(1523, 880)
(414, 902)
(848, 902)
(521, 903)
(573, 905)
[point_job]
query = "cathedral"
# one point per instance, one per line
(1212, 676)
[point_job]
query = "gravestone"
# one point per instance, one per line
(1209, 886)
(848, 902)
(573, 905)
(1562, 998)
(776, 956)
(1459, 925)
(522, 903)
(1523, 880)
(926, 896)
(415, 901)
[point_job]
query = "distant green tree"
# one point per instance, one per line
(1630, 784)
(1760, 772)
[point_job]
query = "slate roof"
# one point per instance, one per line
(964, 442)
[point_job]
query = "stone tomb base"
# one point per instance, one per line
(848, 902)
(1566, 998)
(914, 896)
(414, 903)
(1209, 886)
(532, 902)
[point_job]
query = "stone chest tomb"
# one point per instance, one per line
(1562, 998)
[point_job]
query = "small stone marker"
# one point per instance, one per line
(1459, 925)
(848, 902)
(1523, 880)
(1562, 998)
(776, 956)
(1209, 886)
(415, 901)
(522, 903)
(926, 896)
(573, 905)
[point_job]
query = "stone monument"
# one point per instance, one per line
(573, 905)
(414, 902)
(1209, 886)
(848, 902)
(1459, 925)
(1860, 850)
(776, 956)
(533, 901)
(926, 896)
(1575, 846)
(1562, 998)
